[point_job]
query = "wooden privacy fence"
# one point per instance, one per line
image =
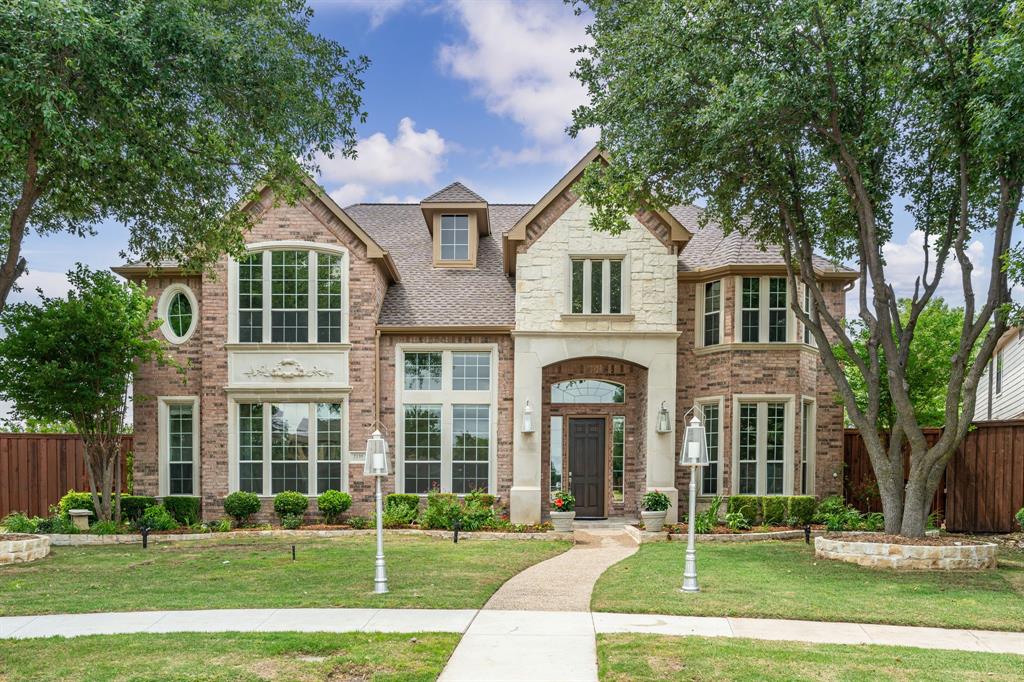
(36, 469)
(983, 485)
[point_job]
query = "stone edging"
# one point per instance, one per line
(968, 556)
(67, 540)
(28, 548)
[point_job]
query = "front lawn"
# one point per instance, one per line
(637, 658)
(423, 572)
(784, 580)
(229, 656)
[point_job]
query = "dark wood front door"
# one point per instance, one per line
(586, 466)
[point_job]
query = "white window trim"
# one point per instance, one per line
(791, 335)
(447, 398)
(806, 337)
(162, 309)
(588, 263)
(163, 436)
(266, 399)
(698, 306)
(809, 403)
(266, 248)
(718, 400)
(762, 421)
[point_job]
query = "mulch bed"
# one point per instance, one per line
(677, 528)
(929, 540)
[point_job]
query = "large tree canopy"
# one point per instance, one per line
(802, 123)
(157, 114)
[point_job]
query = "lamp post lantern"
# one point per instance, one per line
(693, 455)
(376, 465)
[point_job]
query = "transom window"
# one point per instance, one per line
(471, 371)
(596, 286)
(455, 237)
(761, 455)
(423, 371)
(763, 310)
(712, 313)
(289, 446)
(588, 391)
(290, 296)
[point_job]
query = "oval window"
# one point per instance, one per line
(178, 309)
(179, 314)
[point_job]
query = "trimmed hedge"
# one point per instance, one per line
(157, 518)
(290, 503)
(132, 506)
(773, 509)
(332, 504)
(748, 505)
(185, 509)
(801, 509)
(241, 506)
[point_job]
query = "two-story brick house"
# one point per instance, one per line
(509, 348)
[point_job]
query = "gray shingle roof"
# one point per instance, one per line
(429, 296)
(455, 193)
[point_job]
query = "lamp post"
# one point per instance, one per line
(694, 455)
(376, 465)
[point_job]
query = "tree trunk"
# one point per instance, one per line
(915, 509)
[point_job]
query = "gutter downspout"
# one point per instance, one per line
(376, 375)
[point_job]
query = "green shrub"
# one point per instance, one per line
(773, 509)
(655, 501)
(219, 526)
(705, 521)
(291, 521)
(56, 523)
(290, 503)
(157, 518)
(875, 521)
(332, 504)
(104, 528)
(481, 498)
(478, 516)
(184, 508)
(132, 506)
(16, 522)
(748, 505)
(400, 510)
(737, 521)
(241, 506)
(801, 509)
(1020, 517)
(563, 501)
(830, 506)
(442, 511)
(359, 522)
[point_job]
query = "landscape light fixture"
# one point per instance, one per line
(376, 465)
(694, 455)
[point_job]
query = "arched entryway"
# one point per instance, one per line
(594, 412)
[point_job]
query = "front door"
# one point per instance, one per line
(586, 466)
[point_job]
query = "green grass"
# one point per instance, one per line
(637, 658)
(423, 572)
(784, 580)
(229, 656)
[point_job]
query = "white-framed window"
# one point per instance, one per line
(711, 475)
(711, 313)
(447, 416)
(808, 336)
(179, 311)
(288, 445)
(454, 237)
(555, 466)
(289, 292)
(178, 434)
(762, 445)
(762, 312)
(597, 286)
(808, 413)
(618, 459)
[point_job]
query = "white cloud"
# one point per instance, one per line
(53, 284)
(904, 263)
(517, 57)
(410, 157)
(395, 199)
(378, 10)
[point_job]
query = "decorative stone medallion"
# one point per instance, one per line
(287, 369)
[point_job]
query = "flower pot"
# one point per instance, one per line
(562, 521)
(654, 521)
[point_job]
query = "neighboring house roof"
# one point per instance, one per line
(483, 296)
(454, 193)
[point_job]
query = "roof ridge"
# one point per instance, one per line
(456, 185)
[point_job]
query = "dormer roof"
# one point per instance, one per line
(456, 198)
(454, 193)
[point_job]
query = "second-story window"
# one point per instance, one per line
(596, 286)
(455, 237)
(290, 296)
(764, 310)
(712, 313)
(777, 310)
(750, 313)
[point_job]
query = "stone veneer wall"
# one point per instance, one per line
(23, 549)
(634, 378)
(308, 220)
(968, 556)
(362, 497)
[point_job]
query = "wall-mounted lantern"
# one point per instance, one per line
(527, 418)
(664, 422)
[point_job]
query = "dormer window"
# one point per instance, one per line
(454, 237)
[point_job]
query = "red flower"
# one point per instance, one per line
(559, 502)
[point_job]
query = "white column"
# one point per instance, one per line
(661, 447)
(525, 496)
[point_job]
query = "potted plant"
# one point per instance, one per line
(654, 507)
(563, 511)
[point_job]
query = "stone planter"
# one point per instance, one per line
(968, 556)
(19, 548)
(654, 521)
(562, 521)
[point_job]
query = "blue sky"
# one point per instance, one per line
(470, 90)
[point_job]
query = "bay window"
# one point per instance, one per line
(293, 446)
(711, 313)
(763, 310)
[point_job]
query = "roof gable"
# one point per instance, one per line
(454, 193)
